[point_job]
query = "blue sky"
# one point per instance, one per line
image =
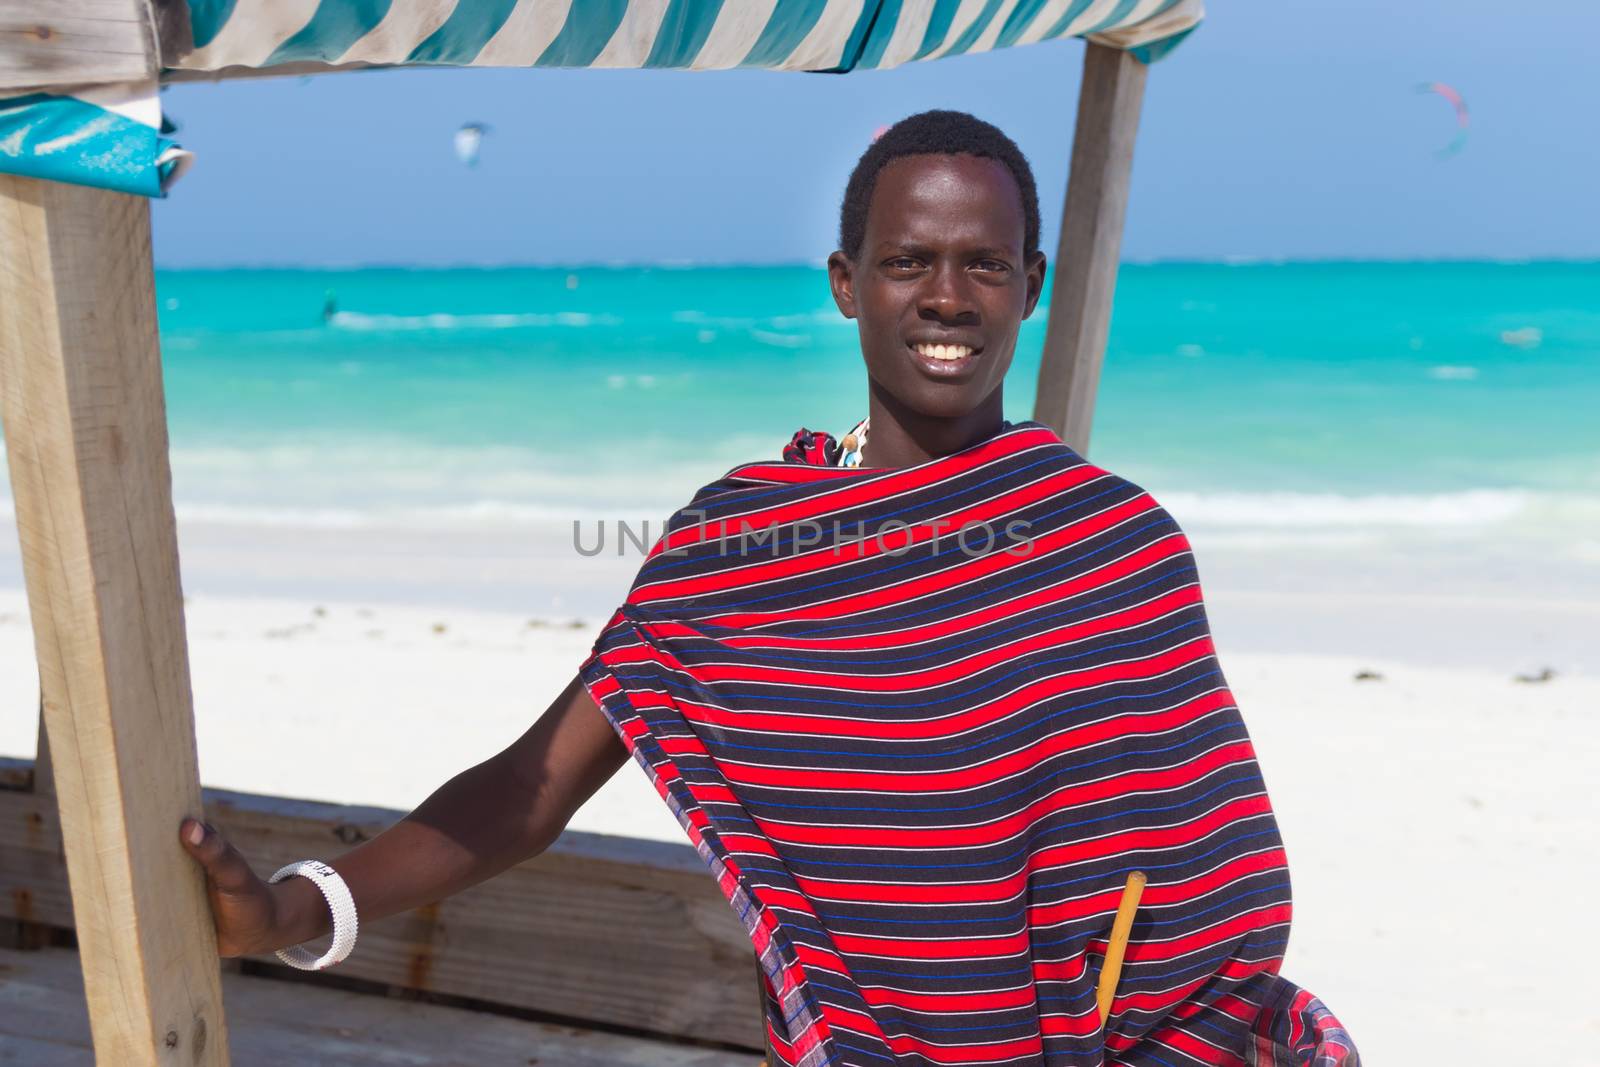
(1277, 130)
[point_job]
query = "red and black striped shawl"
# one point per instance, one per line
(922, 722)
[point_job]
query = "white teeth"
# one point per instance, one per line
(946, 352)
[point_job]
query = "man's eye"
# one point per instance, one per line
(903, 263)
(992, 264)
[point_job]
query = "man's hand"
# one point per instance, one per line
(244, 907)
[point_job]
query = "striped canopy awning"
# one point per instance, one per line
(109, 135)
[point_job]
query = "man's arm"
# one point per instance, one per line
(484, 820)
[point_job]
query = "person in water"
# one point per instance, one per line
(923, 758)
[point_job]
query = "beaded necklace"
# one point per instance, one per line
(819, 448)
(854, 443)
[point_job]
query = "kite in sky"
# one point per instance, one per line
(469, 139)
(1462, 117)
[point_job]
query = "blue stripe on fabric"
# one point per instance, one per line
(921, 504)
(878, 35)
(966, 977)
(751, 861)
(855, 1049)
(788, 25)
(835, 917)
(939, 20)
(462, 36)
(938, 609)
(1270, 832)
(1071, 15)
(991, 635)
(872, 15)
(1056, 826)
(1276, 878)
(336, 26)
(1204, 965)
(952, 547)
(64, 139)
(1123, 9)
(884, 1013)
(738, 496)
(684, 556)
(684, 29)
(760, 695)
(206, 19)
(1230, 1033)
(583, 36)
(924, 504)
(1073, 608)
(653, 723)
(992, 590)
(970, 35)
(1018, 21)
(744, 499)
(1003, 797)
(823, 660)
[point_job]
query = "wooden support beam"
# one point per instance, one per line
(86, 436)
(1085, 271)
(67, 42)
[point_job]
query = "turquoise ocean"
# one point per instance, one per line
(1270, 403)
(530, 391)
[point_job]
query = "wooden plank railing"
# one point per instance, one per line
(614, 931)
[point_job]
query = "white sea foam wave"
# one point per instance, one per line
(828, 316)
(1526, 337)
(781, 340)
(361, 321)
(1322, 511)
(481, 515)
(474, 515)
(1330, 513)
(1563, 523)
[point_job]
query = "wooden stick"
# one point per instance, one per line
(1121, 927)
(86, 438)
(1084, 273)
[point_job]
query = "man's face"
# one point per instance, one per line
(941, 265)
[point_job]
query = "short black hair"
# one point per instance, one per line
(944, 133)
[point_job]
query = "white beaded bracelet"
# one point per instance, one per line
(340, 903)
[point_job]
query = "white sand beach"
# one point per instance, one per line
(1438, 817)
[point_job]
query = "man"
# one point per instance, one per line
(919, 764)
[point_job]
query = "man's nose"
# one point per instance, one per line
(947, 296)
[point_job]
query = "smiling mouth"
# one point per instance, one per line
(944, 360)
(944, 353)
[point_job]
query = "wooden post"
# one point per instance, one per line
(71, 42)
(1085, 272)
(86, 436)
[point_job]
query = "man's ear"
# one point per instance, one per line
(841, 278)
(1035, 274)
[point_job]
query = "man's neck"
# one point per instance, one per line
(899, 437)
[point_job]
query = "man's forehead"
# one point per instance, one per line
(946, 199)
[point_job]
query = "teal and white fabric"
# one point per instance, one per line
(815, 35)
(79, 136)
(107, 136)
